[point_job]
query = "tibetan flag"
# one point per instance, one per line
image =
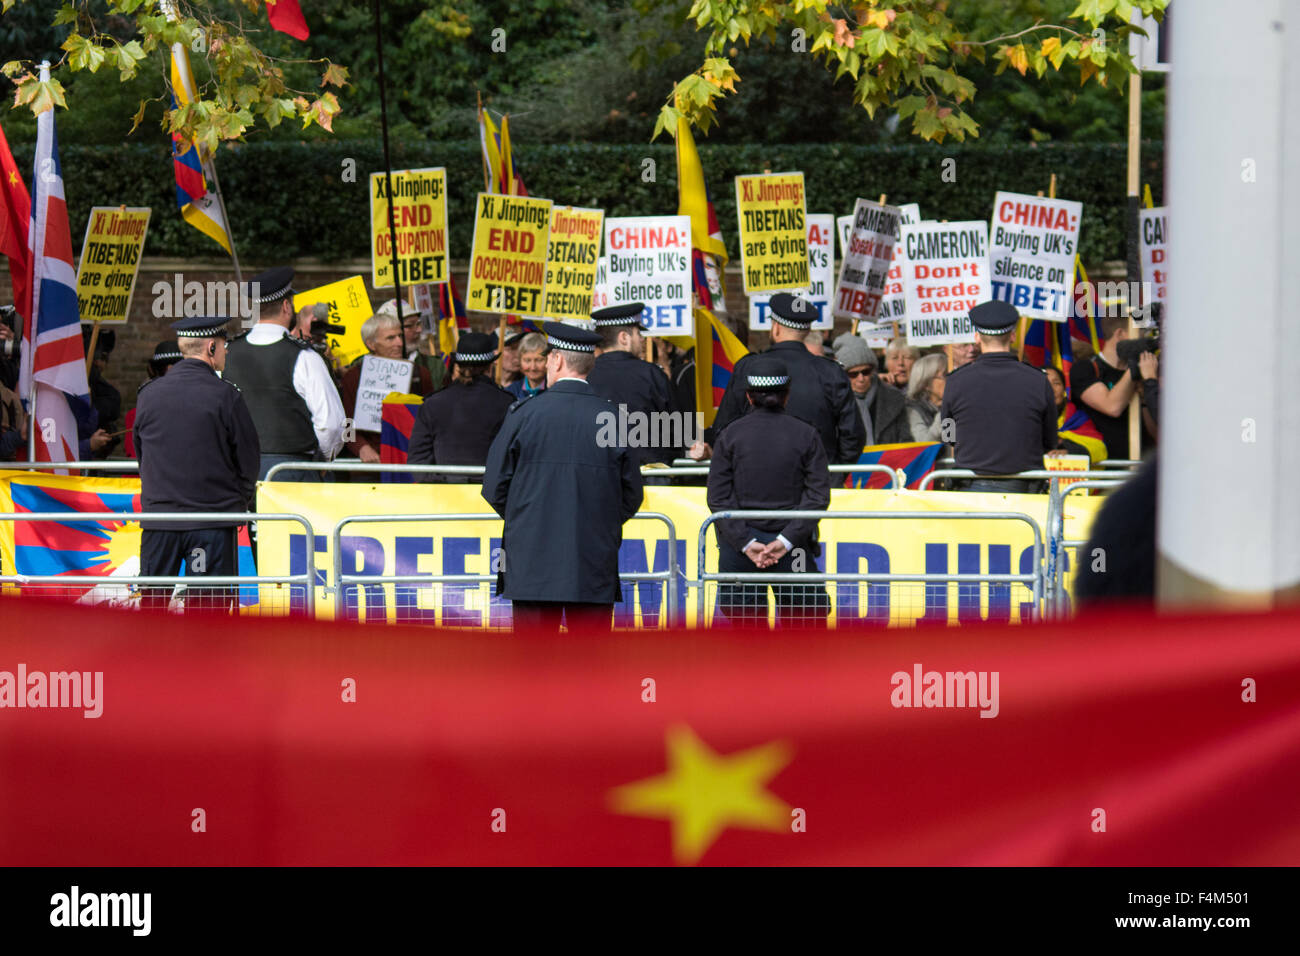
(286, 16)
(195, 198)
(498, 160)
(79, 546)
(398, 418)
(1047, 344)
(708, 251)
(1075, 426)
(1083, 315)
(914, 458)
(716, 353)
(453, 319)
(15, 219)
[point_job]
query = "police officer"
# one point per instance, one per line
(1003, 411)
(564, 494)
(456, 425)
(286, 384)
(628, 380)
(198, 451)
(820, 393)
(768, 460)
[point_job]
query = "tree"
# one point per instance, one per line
(908, 55)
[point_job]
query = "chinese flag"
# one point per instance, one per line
(15, 218)
(286, 16)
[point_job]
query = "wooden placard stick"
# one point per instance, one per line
(90, 350)
(501, 345)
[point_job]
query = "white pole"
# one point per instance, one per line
(1229, 518)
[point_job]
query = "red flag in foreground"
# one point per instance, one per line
(1129, 740)
(286, 16)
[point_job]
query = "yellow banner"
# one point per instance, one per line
(849, 546)
(571, 262)
(349, 307)
(508, 267)
(772, 211)
(420, 224)
(110, 259)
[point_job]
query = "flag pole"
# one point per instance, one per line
(388, 164)
(210, 168)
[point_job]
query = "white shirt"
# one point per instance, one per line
(311, 380)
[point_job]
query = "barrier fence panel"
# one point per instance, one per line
(1037, 475)
(804, 598)
(101, 535)
(130, 467)
(1063, 554)
(468, 599)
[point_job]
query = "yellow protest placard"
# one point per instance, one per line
(420, 211)
(571, 262)
(349, 307)
(1067, 463)
(110, 259)
(507, 272)
(772, 211)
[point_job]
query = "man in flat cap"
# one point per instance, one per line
(628, 380)
(564, 495)
(456, 426)
(287, 385)
(769, 460)
(1003, 411)
(198, 452)
(819, 390)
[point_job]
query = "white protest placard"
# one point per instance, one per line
(865, 268)
(944, 277)
(379, 376)
(844, 224)
(1154, 244)
(893, 304)
(1033, 241)
(821, 265)
(648, 259)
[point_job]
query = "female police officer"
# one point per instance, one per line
(769, 460)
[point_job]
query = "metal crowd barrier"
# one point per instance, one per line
(116, 588)
(694, 469)
(342, 581)
(129, 466)
(1034, 580)
(1055, 602)
(1039, 475)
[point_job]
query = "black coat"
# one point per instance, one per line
(819, 395)
(769, 461)
(456, 425)
(197, 445)
(889, 416)
(643, 387)
(563, 496)
(1003, 413)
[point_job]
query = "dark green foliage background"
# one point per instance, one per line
(288, 200)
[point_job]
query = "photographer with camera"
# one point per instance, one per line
(1104, 385)
(8, 347)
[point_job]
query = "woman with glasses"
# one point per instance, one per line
(924, 396)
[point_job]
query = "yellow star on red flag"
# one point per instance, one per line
(704, 793)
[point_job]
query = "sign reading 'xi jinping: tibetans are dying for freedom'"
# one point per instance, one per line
(773, 238)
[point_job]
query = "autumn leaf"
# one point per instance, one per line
(1018, 57)
(881, 18)
(335, 74)
(843, 35)
(139, 116)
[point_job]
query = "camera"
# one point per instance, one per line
(7, 316)
(1130, 350)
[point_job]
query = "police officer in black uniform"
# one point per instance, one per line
(198, 452)
(820, 393)
(769, 460)
(1003, 411)
(628, 380)
(456, 425)
(564, 494)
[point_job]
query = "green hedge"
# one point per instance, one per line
(289, 200)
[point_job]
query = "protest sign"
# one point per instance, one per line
(893, 304)
(571, 262)
(379, 376)
(420, 220)
(648, 260)
(773, 232)
(945, 276)
(865, 268)
(110, 259)
(1154, 239)
(821, 276)
(507, 270)
(349, 306)
(1032, 248)
(845, 226)
(1066, 463)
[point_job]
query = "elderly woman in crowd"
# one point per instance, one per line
(899, 359)
(924, 396)
(532, 363)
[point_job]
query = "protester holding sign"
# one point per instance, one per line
(367, 380)
(287, 386)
